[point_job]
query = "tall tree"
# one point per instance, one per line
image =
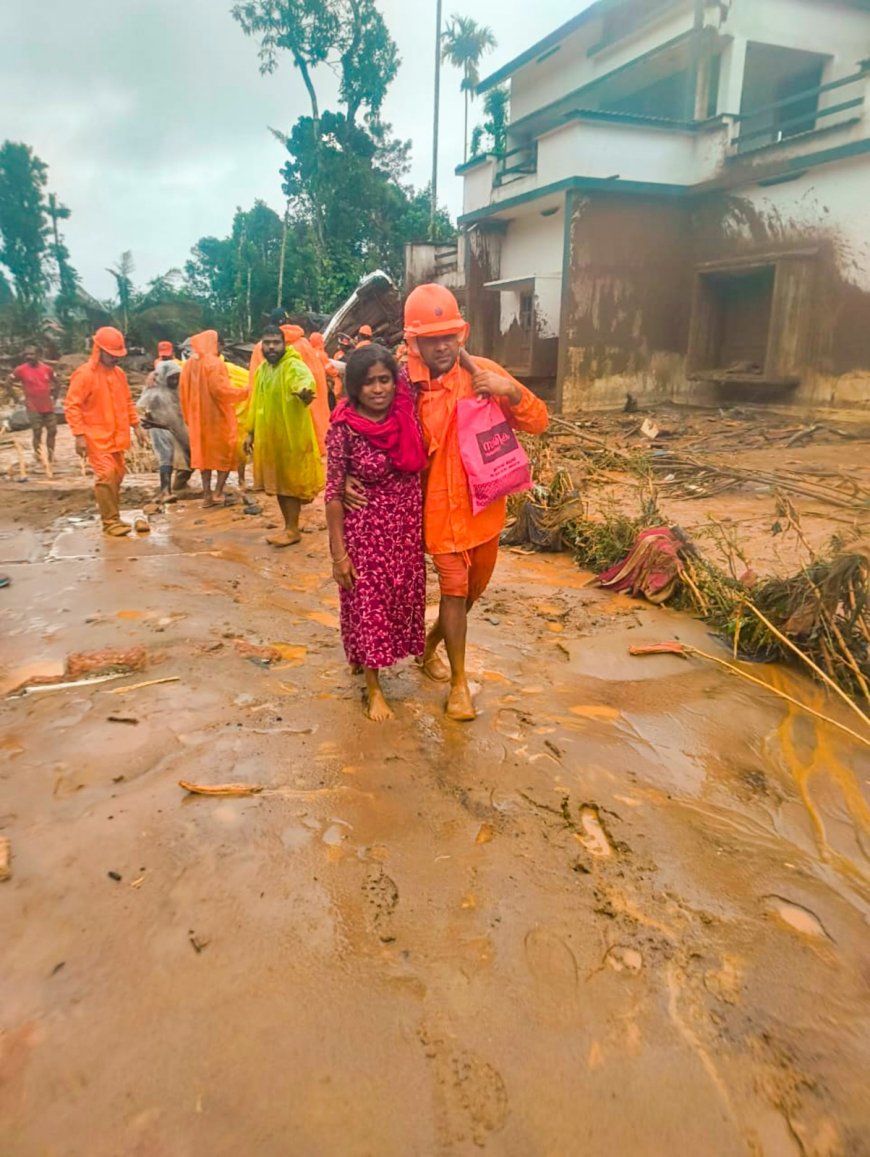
(67, 278)
(123, 275)
(463, 44)
(24, 226)
(350, 38)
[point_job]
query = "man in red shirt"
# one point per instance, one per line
(40, 386)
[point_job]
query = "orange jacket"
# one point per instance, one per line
(208, 402)
(98, 405)
(449, 527)
(294, 335)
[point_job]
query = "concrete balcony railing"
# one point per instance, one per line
(601, 146)
(837, 110)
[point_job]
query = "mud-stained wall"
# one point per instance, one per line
(626, 300)
(825, 213)
(634, 265)
(483, 244)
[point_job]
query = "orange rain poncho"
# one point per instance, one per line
(208, 402)
(99, 407)
(294, 335)
(449, 526)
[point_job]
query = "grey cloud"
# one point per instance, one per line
(152, 114)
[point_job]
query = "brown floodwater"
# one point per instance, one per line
(624, 911)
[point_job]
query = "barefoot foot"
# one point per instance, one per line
(459, 704)
(435, 669)
(284, 538)
(378, 709)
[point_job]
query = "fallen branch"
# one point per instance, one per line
(147, 683)
(826, 679)
(224, 789)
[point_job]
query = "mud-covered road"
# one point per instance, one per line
(624, 912)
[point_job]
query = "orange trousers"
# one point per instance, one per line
(466, 574)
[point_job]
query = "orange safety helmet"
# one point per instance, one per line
(165, 349)
(110, 341)
(365, 331)
(432, 310)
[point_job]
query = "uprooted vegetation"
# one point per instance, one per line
(598, 487)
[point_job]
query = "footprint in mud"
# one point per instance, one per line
(592, 835)
(470, 1095)
(553, 965)
(511, 723)
(621, 958)
(797, 917)
(381, 896)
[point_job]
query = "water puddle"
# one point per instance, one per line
(796, 916)
(593, 711)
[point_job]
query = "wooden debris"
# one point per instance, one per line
(147, 683)
(221, 789)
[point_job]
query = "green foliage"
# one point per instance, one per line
(24, 226)
(350, 179)
(66, 278)
(491, 136)
(496, 106)
(464, 42)
(236, 277)
(349, 36)
(123, 275)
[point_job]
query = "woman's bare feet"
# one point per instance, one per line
(284, 538)
(459, 704)
(208, 502)
(377, 708)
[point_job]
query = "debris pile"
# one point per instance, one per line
(820, 614)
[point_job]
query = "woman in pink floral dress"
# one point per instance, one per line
(377, 551)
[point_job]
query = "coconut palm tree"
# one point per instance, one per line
(463, 44)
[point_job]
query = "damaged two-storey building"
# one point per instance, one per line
(683, 207)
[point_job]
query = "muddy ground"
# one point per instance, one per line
(624, 912)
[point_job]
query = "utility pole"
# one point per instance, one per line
(435, 120)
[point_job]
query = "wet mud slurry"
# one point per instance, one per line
(625, 911)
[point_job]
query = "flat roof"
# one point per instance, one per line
(596, 8)
(542, 46)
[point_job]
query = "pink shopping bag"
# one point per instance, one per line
(494, 461)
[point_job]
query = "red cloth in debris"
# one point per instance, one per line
(652, 567)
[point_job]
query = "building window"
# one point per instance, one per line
(780, 94)
(527, 312)
(752, 320)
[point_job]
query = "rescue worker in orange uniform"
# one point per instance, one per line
(99, 411)
(334, 383)
(463, 545)
(208, 402)
(364, 336)
(294, 335)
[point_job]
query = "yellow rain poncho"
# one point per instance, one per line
(287, 457)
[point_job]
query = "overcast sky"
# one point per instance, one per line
(152, 115)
